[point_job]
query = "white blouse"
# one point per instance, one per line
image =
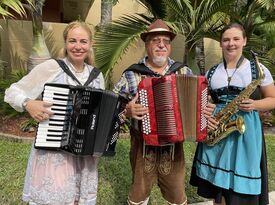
(31, 85)
(241, 77)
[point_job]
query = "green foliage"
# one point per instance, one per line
(6, 109)
(28, 124)
(14, 5)
(118, 36)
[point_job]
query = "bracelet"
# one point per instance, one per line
(24, 104)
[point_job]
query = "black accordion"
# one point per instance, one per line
(86, 120)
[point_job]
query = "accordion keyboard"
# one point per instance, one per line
(51, 132)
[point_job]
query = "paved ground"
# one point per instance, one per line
(271, 200)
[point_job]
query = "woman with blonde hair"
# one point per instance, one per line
(58, 177)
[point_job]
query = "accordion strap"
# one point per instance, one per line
(144, 70)
(175, 67)
(94, 73)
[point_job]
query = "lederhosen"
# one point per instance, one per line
(152, 164)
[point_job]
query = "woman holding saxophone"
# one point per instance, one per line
(231, 166)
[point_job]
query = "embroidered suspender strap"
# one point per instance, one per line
(94, 73)
(254, 72)
(210, 74)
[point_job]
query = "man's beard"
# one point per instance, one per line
(159, 61)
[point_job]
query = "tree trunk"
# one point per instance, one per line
(200, 57)
(106, 11)
(106, 17)
(190, 58)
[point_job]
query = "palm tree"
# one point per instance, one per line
(39, 52)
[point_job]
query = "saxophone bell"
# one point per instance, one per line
(226, 129)
(235, 125)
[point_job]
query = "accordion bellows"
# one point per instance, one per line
(175, 104)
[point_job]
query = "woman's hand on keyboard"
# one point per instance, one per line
(39, 110)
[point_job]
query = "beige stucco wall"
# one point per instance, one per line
(213, 53)
(16, 40)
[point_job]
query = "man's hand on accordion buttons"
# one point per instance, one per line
(136, 110)
(39, 110)
(208, 113)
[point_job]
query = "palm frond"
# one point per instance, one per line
(14, 5)
(208, 8)
(113, 40)
(156, 8)
(5, 13)
(268, 4)
(180, 12)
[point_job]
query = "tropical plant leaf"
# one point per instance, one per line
(156, 8)
(15, 5)
(114, 39)
(5, 108)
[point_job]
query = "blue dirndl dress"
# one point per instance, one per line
(236, 162)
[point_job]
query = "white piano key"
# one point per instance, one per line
(60, 91)
(48, 127)
(56, 96)
(50, 99)
(58, 117)
(49, 133)
(47, 138)
(48, 144)
(57, 111)
(54, 123)
(60, 107)
(57, 89)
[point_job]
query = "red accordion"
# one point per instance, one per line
(175, 104)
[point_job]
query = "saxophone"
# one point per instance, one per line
(223, 116)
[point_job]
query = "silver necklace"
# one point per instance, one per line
(229, 78)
